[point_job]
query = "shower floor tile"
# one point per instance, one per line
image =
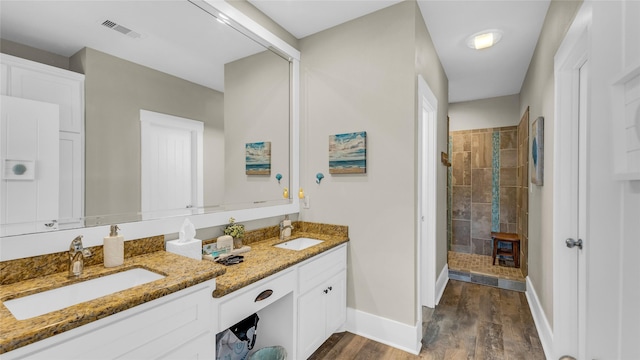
(479, 269)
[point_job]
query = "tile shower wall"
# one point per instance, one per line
(483, 187)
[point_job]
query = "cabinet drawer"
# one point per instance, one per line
(322, 268)
(239, 306)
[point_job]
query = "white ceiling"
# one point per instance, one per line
(472, 74)
(177, 37)
(172, 34)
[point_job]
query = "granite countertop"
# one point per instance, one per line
(180, 272)
(264, 260)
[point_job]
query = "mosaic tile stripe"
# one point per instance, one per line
(449, 193)
(495, 183)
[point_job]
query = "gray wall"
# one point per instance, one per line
(256, 110)
(33, 54)
(496, 112)
(361, 76)
(428, 65)
(258, 16)
(115, 91)
(538, 93)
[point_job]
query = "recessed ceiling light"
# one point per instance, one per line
(484, 39)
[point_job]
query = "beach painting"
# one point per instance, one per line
(348, 153)
(258, 158)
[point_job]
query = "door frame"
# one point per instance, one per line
(570, 137)
(427, 196)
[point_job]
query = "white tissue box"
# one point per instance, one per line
(191, 249)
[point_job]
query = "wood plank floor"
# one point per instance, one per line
(471, 322)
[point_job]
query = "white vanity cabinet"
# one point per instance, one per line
(322, 302)
(34, 81)
(306, 303)
(176, 326)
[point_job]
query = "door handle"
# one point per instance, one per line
(571, 243)
(263, 295)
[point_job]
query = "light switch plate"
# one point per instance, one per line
(306, 202)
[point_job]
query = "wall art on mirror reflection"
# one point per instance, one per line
(348, 153)
(537, 151)
(258, 158)
(19, 169)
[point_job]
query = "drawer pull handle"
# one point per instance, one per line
(326, 291)
(263, 295)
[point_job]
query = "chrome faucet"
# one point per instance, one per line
(77, 253)
(283, 228)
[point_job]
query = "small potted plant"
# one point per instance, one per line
(236, 231)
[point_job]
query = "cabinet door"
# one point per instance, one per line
(71, 181)
(4, 84)
(30, 158)
(336, 302)
(67, 93)
(311, 321)
(199, 348)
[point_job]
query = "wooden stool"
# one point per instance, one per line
(514, 252)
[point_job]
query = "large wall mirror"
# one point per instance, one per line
(152, 70)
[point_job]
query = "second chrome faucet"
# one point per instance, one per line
(77, 253)
(284, 227)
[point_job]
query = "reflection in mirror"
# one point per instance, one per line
(171, 98)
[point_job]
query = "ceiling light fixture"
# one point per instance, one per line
(484, 39)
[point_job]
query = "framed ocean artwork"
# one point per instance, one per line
(348, 153)
(258, 158)
(537, 151)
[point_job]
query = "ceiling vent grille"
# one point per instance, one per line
(121, 29)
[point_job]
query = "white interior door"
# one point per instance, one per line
(427, 192)
(570, 197)
(171, 164)
(29, 151)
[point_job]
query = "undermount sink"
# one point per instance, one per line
(59, 298)
(299, 244)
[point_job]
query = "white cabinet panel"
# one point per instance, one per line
(311, 322)
(51, 88)
(4, 84)
(177, 326)
(317, 271)
(30, 160)
(196, 349)
(322, 309)
(31, 80)
(71, 180)
(336, 302)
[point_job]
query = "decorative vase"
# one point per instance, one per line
(237, 243)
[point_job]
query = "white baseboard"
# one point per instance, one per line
(441, 283)
(389, 332)
(542, 325)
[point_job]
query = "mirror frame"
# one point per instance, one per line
(28, 245)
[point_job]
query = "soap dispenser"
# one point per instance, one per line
(113, 248)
